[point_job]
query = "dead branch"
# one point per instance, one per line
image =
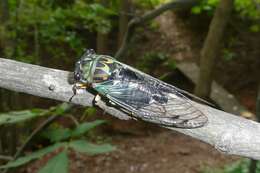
(228, 133)
(133, 23)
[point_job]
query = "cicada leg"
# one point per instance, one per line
(75, 87)
(97, 98)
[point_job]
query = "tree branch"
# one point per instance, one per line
(228, 133)
(149, 16)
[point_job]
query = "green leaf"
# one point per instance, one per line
(84, 146)
(62, 108)
(85, 127)
(58, 163)
(35, 155)
(196, 10)
(171, 64)
(91, 111)
(237, 167)
(58, 134)
(20, 116)
(255, 28)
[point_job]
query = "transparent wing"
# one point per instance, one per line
(178, 111)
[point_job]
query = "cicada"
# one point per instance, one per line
(136, 93)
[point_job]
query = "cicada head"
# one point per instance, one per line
(84, 67)
(92, 68)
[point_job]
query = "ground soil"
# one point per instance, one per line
(144, 148)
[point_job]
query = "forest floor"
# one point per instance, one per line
(144, 148)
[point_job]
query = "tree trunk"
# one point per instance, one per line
(211, 47)
(36, 36)
(253, 163)
(102, 38)
(123, 20)
(102, 44)
(4, 7)
(4, 16)
(9, 100)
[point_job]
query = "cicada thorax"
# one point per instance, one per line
(103, 69)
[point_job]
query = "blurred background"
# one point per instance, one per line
(42, 135)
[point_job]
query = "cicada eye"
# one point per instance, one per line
(77, 76)
(90, 52)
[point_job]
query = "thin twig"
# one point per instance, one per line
(8, 158)
(36, 131)
(43, 125)
(75, 121)
(133, 23)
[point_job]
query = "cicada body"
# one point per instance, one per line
(136, 93)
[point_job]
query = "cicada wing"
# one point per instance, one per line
(177, 112)
(166, 85)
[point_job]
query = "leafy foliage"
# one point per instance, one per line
(60, 161)
(205, 5)
(47, 24)
(35, 155)
(150, 3)
(59, 134)
(247, 9)
(151, 60)
(241, 166)
(83, 146)
(20, 116)
(24, 115)
(56, 135)
(228, 55)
